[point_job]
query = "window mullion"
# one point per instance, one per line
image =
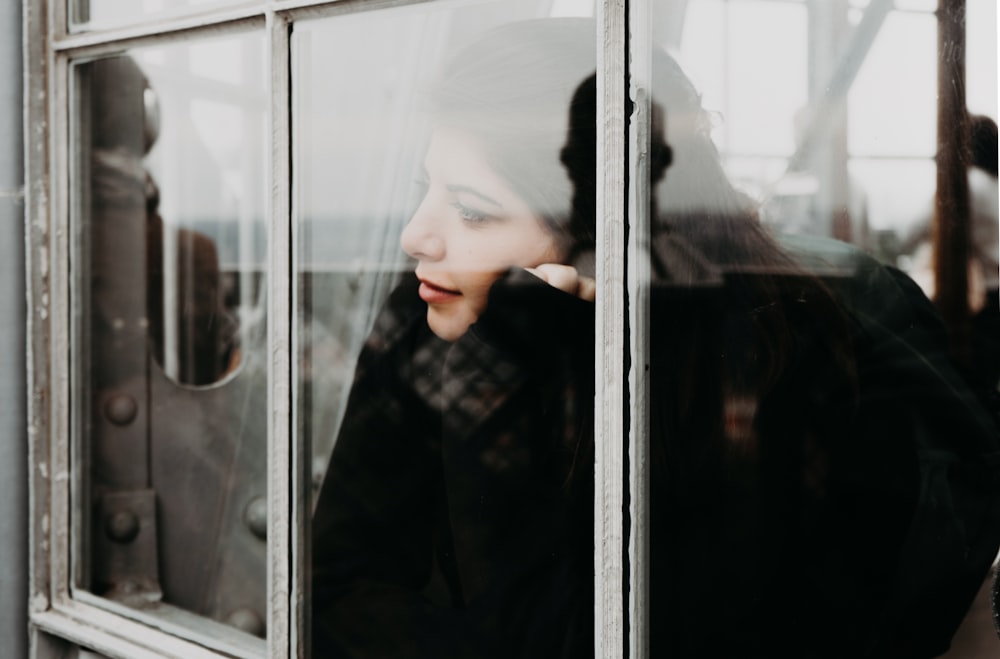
(279, 314)
(58, 303)
(609, 413)
(639, 222)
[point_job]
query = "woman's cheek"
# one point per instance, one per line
(479, 294)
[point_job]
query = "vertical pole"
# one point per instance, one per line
(951, 203)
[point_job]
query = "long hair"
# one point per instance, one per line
(527, 92)
(511, 90)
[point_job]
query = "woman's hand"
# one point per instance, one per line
(566, 278)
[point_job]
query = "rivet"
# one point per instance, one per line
(122, 526)
(255, 517)
(121, 409)
(247, 620)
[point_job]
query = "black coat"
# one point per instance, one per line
(805, 434)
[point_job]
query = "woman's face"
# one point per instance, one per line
(468, 230)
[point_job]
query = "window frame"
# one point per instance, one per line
(53, 46)
(54, 608)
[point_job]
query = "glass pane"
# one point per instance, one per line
(171, 379)
(100, 14)
(892, 103)
(720, 46)
(817, 426)
(778, 64)
(981, 57)
(445, 391)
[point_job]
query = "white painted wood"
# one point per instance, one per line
(196, 22)
(609, 421)
(167, 619)
(300, 606)
(279, 324)
(100, 42)
(60, 372)
(113, 635)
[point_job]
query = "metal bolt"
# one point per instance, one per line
(247, 620)
(121, 409)
(122, 526)
(255, 517)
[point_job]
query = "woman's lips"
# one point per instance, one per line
(434, 294)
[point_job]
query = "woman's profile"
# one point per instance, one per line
(789, 489)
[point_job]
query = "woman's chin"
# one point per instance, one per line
(449, 326)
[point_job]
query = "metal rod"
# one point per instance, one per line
(951, 232)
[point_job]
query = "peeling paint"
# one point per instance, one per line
(39, 602)
(43, 263)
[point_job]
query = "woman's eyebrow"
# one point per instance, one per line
(476, 193)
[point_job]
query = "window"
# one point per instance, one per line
(236, 207)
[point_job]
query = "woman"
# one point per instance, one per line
(450, 523)
(456, 517)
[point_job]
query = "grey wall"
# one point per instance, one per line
(13, 438)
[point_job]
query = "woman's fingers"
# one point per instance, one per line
(566, 278)
(587, 289)
(563, 277)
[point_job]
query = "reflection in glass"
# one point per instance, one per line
(816, 442)
(447, 398)
(169, 318)
(896, 118)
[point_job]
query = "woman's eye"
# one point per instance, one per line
(471, 215)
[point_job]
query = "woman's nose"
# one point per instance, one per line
(420, 238)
